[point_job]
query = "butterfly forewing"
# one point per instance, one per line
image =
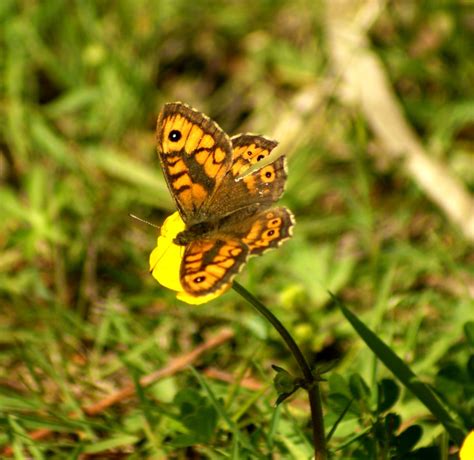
(195, 155)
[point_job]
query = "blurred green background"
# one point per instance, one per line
(81, 85)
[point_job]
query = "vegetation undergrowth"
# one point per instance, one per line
(98, 360)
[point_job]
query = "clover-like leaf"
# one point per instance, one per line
(388, 394)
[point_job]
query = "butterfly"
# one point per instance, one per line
(223, 199)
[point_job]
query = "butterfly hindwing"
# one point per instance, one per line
(210, 264)
(268, 230)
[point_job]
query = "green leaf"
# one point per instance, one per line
(408, 439)
(388, 394)
(391, 423)
(470, 368)
(406, 376)
(197, 414)
(469, 332)
(111, 443)
(359, 389)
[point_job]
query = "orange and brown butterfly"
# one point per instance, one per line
(223, 198)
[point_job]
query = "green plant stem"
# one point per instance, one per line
(311, 384)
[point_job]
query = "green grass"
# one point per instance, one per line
(80, 316)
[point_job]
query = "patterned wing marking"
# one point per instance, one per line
(259, 188)
(210, 265)
(195, 155)
(269, 230)
(268, 183)
(248, 150)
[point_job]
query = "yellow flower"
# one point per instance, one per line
(165, 261)
(467, 449)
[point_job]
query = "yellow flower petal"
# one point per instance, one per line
(165, 259)
(165, 262)
(188, 298)
(467, 449)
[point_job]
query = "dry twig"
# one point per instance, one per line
(176, 365)
(364, 82)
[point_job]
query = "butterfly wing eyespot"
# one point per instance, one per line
(274, 223)
(175, 135)
(268, 173)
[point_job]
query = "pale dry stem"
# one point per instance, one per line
(365, 83)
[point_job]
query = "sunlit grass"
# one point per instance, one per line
(80, 315)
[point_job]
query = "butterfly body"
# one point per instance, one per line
(222, 197)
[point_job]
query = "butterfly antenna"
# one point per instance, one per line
(144, 221)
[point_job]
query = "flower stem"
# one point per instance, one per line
(311, 384)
